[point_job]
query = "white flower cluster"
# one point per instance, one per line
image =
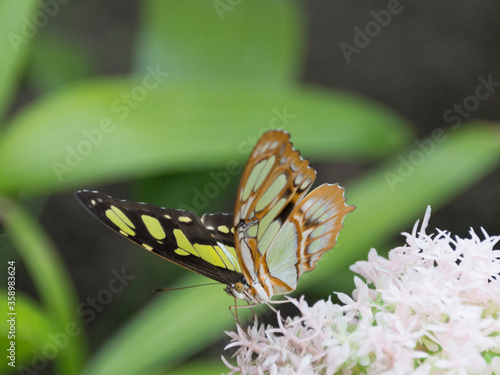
(433, 307)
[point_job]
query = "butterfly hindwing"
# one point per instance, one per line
(176, 235)
(220, 226)
(309, 232)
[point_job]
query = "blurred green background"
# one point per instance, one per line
(162, 100)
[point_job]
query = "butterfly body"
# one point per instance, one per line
(276, 233)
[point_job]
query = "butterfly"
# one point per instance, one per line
(277, 231)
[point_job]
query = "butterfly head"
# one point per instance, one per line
(242, 290)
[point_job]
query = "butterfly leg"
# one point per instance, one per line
(254, 316)
(235, 313)
(235, 316)
(268, 303)
(250, 306)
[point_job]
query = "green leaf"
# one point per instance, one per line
(199, 367)
(18, 28)
(52, 282)
(227, 40)
(90, 134)
(57, 61)
(171, 328)
(198, 192)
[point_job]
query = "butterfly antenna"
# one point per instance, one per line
(183, 287)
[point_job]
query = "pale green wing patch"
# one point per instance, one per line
(309, 232)
(122, 222)
(154, 227)
(220, 226)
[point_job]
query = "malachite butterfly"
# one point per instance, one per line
(276, 233)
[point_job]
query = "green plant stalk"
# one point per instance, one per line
(52, 282)
(15, 43)
(172, 327)
(199, 367)
(221, 52)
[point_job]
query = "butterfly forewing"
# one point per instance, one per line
(176, 235)
(275, 177)
(220, 226)
(274, 181)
